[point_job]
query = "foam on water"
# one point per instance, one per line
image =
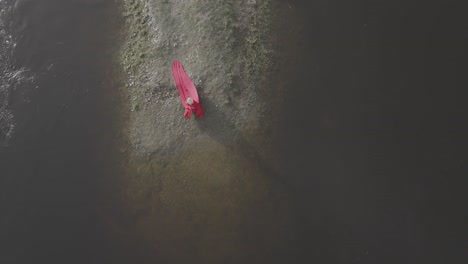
(16, 83)
(54, 58)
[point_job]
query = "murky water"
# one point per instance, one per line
(373, 129)
(374, 124)
(55, 61)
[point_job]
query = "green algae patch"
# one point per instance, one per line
(137, 45)
(136, 49)
(258, 40)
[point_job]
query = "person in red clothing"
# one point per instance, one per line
(187, 91)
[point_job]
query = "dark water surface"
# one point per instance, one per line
(55, 73)
(377, 132)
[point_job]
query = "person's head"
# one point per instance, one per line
(189, 101)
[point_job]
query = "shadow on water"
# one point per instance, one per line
(216, 125)
(49, 171)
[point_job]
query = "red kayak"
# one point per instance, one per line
(187, 90)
